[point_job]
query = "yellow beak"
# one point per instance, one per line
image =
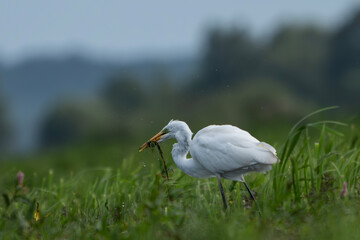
(154, 139)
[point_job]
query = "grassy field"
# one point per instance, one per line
(104, 191)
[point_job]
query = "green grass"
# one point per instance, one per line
(100, 192)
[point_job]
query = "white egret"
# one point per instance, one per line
(221, 151)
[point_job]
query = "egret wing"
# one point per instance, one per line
(226, 148)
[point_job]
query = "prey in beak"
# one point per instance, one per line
(153, 141)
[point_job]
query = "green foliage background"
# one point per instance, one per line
(252, 83)
(90, 182)
(109, 191)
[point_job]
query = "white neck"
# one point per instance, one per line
(179, 152)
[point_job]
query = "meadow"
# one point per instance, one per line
(108, 191)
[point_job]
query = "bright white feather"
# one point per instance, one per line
(221, 151)
(218, 150)
(231, 152)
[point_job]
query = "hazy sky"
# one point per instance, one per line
(127, 29)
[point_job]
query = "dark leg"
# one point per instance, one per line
(252, 196)
(222, 192)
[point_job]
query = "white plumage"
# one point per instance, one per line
(221, 151)
(231, 152)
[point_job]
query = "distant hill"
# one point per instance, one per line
(31, 87)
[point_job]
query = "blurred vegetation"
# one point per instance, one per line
(89, 182)
(97, 192)
(255, 84)
(343, 69)
(4, 124)
(72, 121)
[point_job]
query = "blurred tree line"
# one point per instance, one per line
(4, 124)
(243, 81)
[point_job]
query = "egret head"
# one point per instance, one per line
(171, 130)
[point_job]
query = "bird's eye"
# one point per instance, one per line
(165, 131)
